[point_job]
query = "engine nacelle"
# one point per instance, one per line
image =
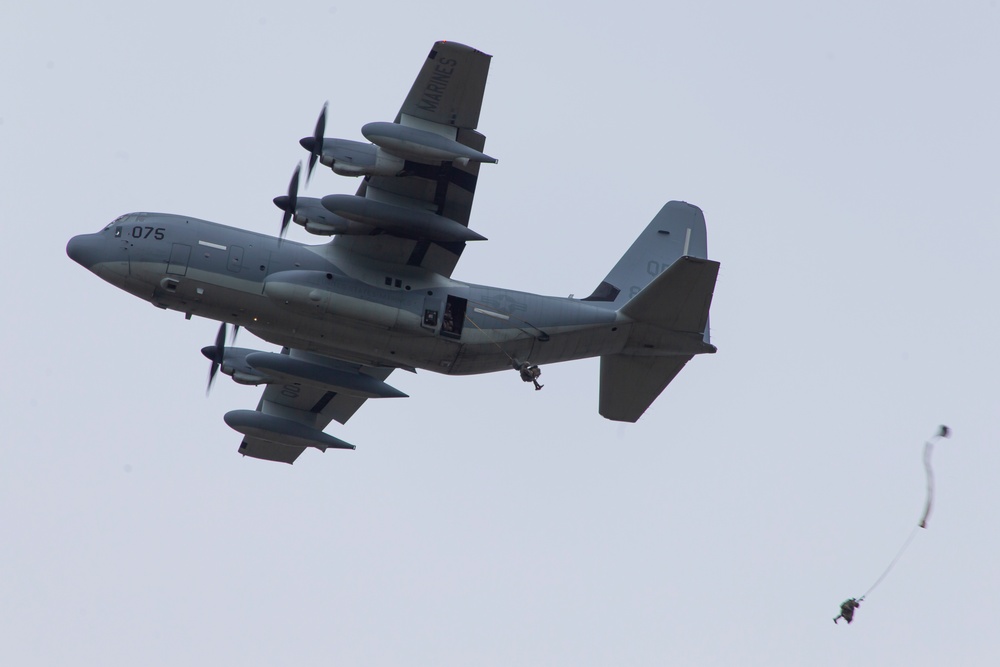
(234, 364)
(317, 219)
(355, 158)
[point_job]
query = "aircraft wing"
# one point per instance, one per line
(309, 405)
(445, 99)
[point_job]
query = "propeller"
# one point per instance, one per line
(217, 354)
(314, 144)
(287, 203)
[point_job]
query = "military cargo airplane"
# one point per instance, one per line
(379, 296)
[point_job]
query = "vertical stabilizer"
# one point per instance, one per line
(678, 230)
(663, 288)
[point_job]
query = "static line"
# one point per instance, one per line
(943, 432)
(928, 450)
(899, 553)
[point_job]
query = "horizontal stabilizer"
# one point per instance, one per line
(629, 384)
(679, 298)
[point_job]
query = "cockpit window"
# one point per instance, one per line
(118, 228)
(117, 223)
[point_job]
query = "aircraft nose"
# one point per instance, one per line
(84, 250)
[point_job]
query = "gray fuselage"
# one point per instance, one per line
(322, 299)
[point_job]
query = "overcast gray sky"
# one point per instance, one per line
(845, 155)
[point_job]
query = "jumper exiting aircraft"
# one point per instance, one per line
(379, 296)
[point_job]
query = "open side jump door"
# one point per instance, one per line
(454, 317)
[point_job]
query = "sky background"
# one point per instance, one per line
(846, 157)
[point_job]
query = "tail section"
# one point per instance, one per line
(663, 285)
(678, 299)
(678, 230)
(630, 383)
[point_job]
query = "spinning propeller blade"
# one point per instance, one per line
(315, 146)
(287, 203)
(217, 353)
